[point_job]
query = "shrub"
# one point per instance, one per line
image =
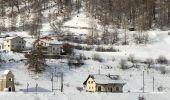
(141, 98)
(163, 70)
(149, 62)
(102, 49)
(79, 88)
(162, 60)
(97, 57)
(79, 47)
(131, 58)
(123, 64)
(141, 38)
(160, 88)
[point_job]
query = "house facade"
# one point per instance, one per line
(51, 47)
(7, 81)
(13, 44)
(103, 83)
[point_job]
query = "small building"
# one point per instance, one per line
(104, 83)
(13, 44)
(7, 81)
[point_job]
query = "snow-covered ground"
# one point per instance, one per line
(159, 44)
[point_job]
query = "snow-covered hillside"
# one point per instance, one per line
(80, 23)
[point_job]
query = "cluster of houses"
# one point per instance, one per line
(93, 83)
(51, 46)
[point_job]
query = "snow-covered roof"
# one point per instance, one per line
(51, 42)
(9, 38)
(106, 79)
(6, 72)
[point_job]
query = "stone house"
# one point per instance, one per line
(7, 81)
(104, 83)
(13, 44)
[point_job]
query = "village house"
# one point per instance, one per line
(13, 44)
(7, 81)
(103, 83)
(51, 47)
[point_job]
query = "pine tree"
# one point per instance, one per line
(36, 60)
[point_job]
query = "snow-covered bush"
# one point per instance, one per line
(163, 70)
(141, 98)
(162, 60)
(131, 58)
(149, 62)
(123, 64)
(141, 38)
(79, 88)
(160, 88)
(96, 57)
(102, 49)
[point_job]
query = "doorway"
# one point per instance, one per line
(99, 89)
(9, 89)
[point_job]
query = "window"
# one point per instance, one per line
(22, 42)
(92, 87)
(117, 88)
(8, 45)
(99, 89)
(91, 82)
(22, 46)
(89, 87)
(10, 79)
(19, 41)
(7, 41)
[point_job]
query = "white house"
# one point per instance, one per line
(13, 44)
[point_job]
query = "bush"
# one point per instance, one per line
(131, 58)
(162, 60)
(97, 57)
(79, 88)
(141, 98)
(123, 64)
(102, 49)
(149, 62)
(163, 70)
(79, 47)
(160, 88)
(141, 38)
(68, 48)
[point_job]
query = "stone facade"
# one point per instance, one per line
(7, 81)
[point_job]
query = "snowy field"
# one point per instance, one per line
(159, 44)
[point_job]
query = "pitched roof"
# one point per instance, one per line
(49, 42)
(10, 38)
(6, 72)
(105, 79)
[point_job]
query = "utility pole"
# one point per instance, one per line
(27, 86)
(52, 86)
(36, 88)
(143, 82)
(153, 82)
(61, 82)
